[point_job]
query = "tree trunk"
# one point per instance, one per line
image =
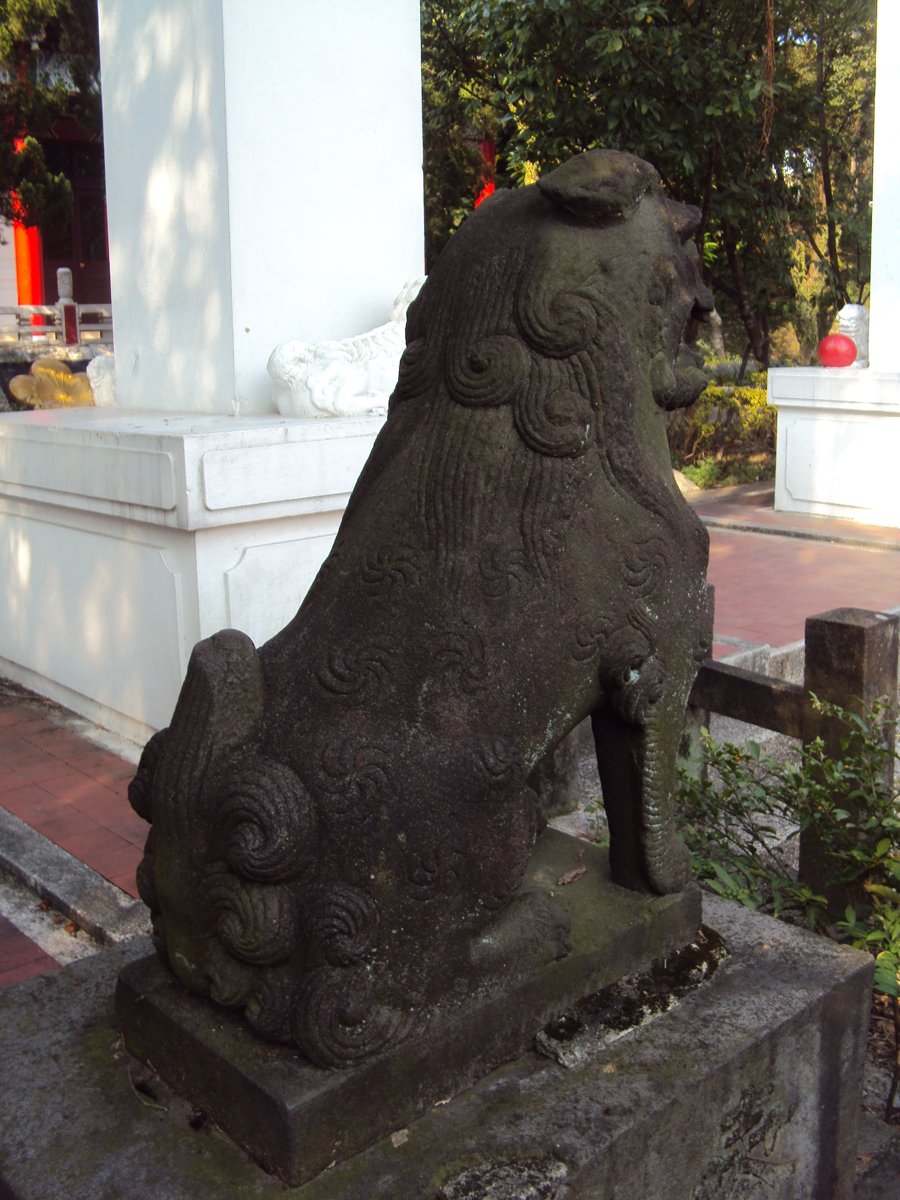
(754, 323)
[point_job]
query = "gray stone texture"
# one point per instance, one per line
(97, 906)
(747, 1090)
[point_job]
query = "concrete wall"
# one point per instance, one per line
(262, 185)
(122, 543)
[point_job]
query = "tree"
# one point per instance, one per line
(830, 169)
(721, 95)
(49, 73)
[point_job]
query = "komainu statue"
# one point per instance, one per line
(340, 820)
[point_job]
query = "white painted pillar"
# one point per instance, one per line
(884, 306)
(264, 172)
(839, 429)
(264, 182)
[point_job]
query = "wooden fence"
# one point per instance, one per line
(851, 660)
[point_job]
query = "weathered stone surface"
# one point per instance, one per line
(341, 820)
(748, 1089)
(296, 1119)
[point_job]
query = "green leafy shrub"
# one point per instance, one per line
(713, 472)
(738, 815)
(729, 426)
(742, 815)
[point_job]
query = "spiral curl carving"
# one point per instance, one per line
(353, 775)
(553, 322)
(357, 673)
(417, 374)
(646, 566)
(556, 423)
(500, 762)
(336, 1022)
(385, 570)
(487, 373)
(591, 639)
(501, 571)
(267, 820)
(340, 925)
(257, 923)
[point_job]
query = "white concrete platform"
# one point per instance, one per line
(128, 536)
(838, 446)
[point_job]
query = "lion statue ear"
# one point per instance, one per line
(599, 185)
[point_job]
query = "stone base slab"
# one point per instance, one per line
(749, 1087)
(295, 1119)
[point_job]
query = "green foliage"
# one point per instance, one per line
(49, 71)
(766, 129)
(727, 437)
(716, 472)
(738, 815)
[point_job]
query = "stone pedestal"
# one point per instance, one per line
(129, 537)
(749, 1087)
(838, 442)
(295, 1119)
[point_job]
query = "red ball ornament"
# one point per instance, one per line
(837, 350)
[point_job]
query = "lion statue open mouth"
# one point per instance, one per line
(341, 819)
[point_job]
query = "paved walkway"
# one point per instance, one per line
(70, 844)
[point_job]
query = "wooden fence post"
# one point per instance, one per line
(851, 660)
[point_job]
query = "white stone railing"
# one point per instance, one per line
(65, 321)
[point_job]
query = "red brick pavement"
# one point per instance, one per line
(20, 958)
(767, 586)
(74, 793)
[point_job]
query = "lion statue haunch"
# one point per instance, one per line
(341, 820)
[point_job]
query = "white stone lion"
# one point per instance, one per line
(350, 377)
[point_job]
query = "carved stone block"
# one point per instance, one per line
(296, 1119)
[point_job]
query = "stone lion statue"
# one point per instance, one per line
(340, 820)
(349, 377)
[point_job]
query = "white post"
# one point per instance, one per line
(264, 182)
(839, 429)
(884, 306)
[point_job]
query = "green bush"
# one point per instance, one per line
(729, 426)
(714, 472)
(734, 814)
(740, 816)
